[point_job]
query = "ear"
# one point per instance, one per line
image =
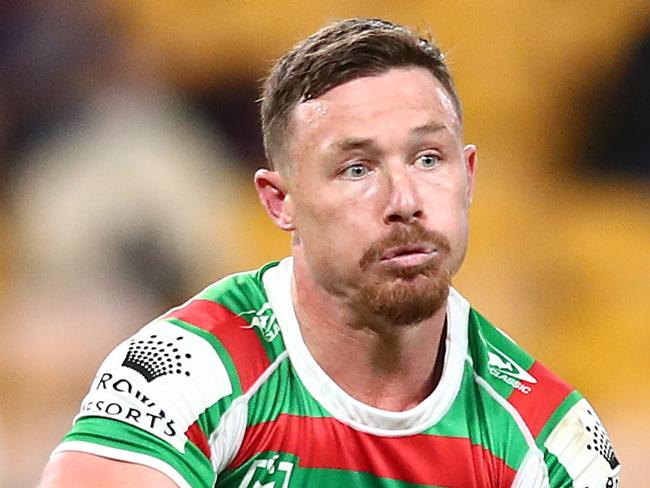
(272, 191)
(471, 158)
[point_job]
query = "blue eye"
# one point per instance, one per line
(355, 171)
(427, 161)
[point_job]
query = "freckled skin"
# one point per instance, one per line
(335, 218)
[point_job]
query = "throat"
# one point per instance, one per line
(401, 388)
(388, 365)
(393, 372)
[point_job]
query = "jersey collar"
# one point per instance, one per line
(356, 414)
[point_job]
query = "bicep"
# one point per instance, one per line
(81, 470)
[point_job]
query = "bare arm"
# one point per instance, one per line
(80, 470)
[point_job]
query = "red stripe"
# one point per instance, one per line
(424, 459)
(545, 396)
(242, 342)
(196, 435)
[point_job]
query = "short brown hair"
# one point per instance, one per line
(338, 53)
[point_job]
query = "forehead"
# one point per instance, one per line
(397, 100)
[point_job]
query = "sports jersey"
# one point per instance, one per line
(222, 391)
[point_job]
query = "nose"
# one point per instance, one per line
(404, 202)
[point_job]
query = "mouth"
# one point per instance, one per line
(409, 255)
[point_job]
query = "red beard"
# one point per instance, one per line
(404, 295)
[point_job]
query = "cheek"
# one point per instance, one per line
(341, 205)
(445, 194)
(334, 231)
(447, 210)
(457, 229)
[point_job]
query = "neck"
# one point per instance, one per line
(392, 368)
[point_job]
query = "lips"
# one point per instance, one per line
(406, 248)
(397, 251)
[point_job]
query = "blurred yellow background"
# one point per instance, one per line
(128, 140)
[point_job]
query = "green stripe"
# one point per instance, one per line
(307, 477)
(557, 474)
(211, 417)
(496, 431)
(557, 416)
(234, 285)
(283, 384)
(328, 478)
(303, 404)
(193, 466)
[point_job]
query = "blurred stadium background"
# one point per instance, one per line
(129, 137)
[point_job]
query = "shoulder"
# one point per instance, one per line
(165, 393)
(533, 390)
(558, 421)
(215, 345)
(235, 318)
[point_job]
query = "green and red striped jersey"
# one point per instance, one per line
(222, 391)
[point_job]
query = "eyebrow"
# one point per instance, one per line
(352, 143)
(428, 128)
(356, 143)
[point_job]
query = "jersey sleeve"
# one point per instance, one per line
(568, 445)
(577, 449)
(157, 400)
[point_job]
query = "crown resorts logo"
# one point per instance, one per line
(154, 357)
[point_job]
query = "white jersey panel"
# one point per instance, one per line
(160, 380)
(582, 446)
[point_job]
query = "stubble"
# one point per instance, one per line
(398, 295)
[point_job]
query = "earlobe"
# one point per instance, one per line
(272, 192)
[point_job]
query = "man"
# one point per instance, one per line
(353, 363)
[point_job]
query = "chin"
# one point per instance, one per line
(405, 300)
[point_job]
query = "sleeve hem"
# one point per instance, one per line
(123, 455)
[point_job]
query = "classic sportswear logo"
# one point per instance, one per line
(503, 367)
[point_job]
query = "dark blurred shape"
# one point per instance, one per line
(231, 107)
(45, 48)
(621, 144)
(149, 265)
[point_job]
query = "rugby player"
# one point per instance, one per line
(354, 362)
